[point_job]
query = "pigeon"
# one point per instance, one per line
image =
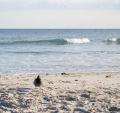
(37, 82)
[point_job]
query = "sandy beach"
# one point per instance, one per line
(66, 93)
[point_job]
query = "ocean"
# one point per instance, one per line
(59, 50)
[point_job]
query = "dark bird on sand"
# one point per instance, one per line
(37, 82)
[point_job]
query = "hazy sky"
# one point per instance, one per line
(59, 13)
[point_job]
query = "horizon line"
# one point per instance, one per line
(59, 28)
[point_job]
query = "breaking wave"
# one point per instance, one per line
(78, 41)
(113, 41)
(51, 41)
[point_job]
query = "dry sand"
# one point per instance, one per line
(71, 93)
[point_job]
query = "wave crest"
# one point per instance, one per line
(113, 40)
(49, 41)
(78, 41)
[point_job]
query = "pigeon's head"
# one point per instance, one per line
(38, 76)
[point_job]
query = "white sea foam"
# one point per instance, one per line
(113, 39)
(78, 40)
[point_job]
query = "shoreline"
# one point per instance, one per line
(59, 73)
(66, 93)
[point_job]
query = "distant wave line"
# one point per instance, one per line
(62, 41)
(63, 52)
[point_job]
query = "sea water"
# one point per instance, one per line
(59, 50)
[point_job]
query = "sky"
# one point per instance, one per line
(60, 14)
